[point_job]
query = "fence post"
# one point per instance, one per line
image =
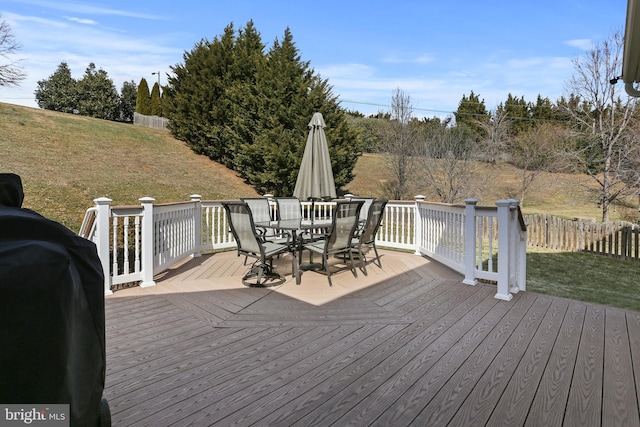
(417, 222)
(197, 229)
(470, 242)
(503, 250)
(148, 246)
(103, 206)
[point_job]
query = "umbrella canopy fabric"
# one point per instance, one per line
(315, 178)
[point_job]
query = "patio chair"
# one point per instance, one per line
(288, 208)
(260, 208)
(250, 244)
(367, 235)
(338, 239)
(261, 212)
(364, 212)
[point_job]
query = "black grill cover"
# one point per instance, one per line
(52, 327)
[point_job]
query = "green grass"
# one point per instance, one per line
(584, 277)
(66, 161)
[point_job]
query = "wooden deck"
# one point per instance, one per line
(406, 345)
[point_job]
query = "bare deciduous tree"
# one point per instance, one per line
(497, 131)
(537, 151)
(605, 149)
(449, 164)
(398, 142)
(11, 73)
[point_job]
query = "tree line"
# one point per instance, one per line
(93, 95)
(595, 130)
(248, 106)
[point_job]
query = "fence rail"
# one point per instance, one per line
(482, 243)
(618, 239)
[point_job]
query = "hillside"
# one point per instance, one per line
(66, 161)
(567, 195)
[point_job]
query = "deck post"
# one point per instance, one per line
(520, 248)
(197, 229)
(470, 242)
(103, 207)
(504, 250)
(417, 219)
(513, 246)
(148, 246)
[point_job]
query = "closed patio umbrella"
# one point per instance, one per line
(315, 178)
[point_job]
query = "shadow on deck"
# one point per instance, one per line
(407, 344)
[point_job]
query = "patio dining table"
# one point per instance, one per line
(297, 227)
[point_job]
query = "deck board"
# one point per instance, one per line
(620, 405)
(584, 406)
(406, 344)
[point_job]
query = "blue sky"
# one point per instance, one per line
(435, 52)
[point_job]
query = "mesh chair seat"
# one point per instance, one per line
(261, 212)
(367, 236)
(261, 273)
(338, 239)
(288, 208)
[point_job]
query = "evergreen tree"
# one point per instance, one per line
(519, 115)
(156, 101)
(128, 97)
(543, 111)
(289, 92)
(195, 98)
(250, 111)
(59, 92)
(98, 96)
(472, 116)
(143, 98)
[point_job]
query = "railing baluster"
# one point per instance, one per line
(125, 249)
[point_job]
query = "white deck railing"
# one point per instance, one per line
(482, 243)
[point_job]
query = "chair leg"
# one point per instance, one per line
(262, 275)
(353, 264)
(325, 261)
(363, 261)
(377, 256)
(294, 267)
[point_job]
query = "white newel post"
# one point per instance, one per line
(148, 246)
(417, 219)
(470, 242)
(103, 206)
(197, 199)
(503, 250)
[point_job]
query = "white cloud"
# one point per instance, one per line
(582, 44)
(422, 59)
(83, 21)
(336, 71)
(80, 8)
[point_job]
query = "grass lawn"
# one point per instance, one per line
(66, 161)
(584, 277)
